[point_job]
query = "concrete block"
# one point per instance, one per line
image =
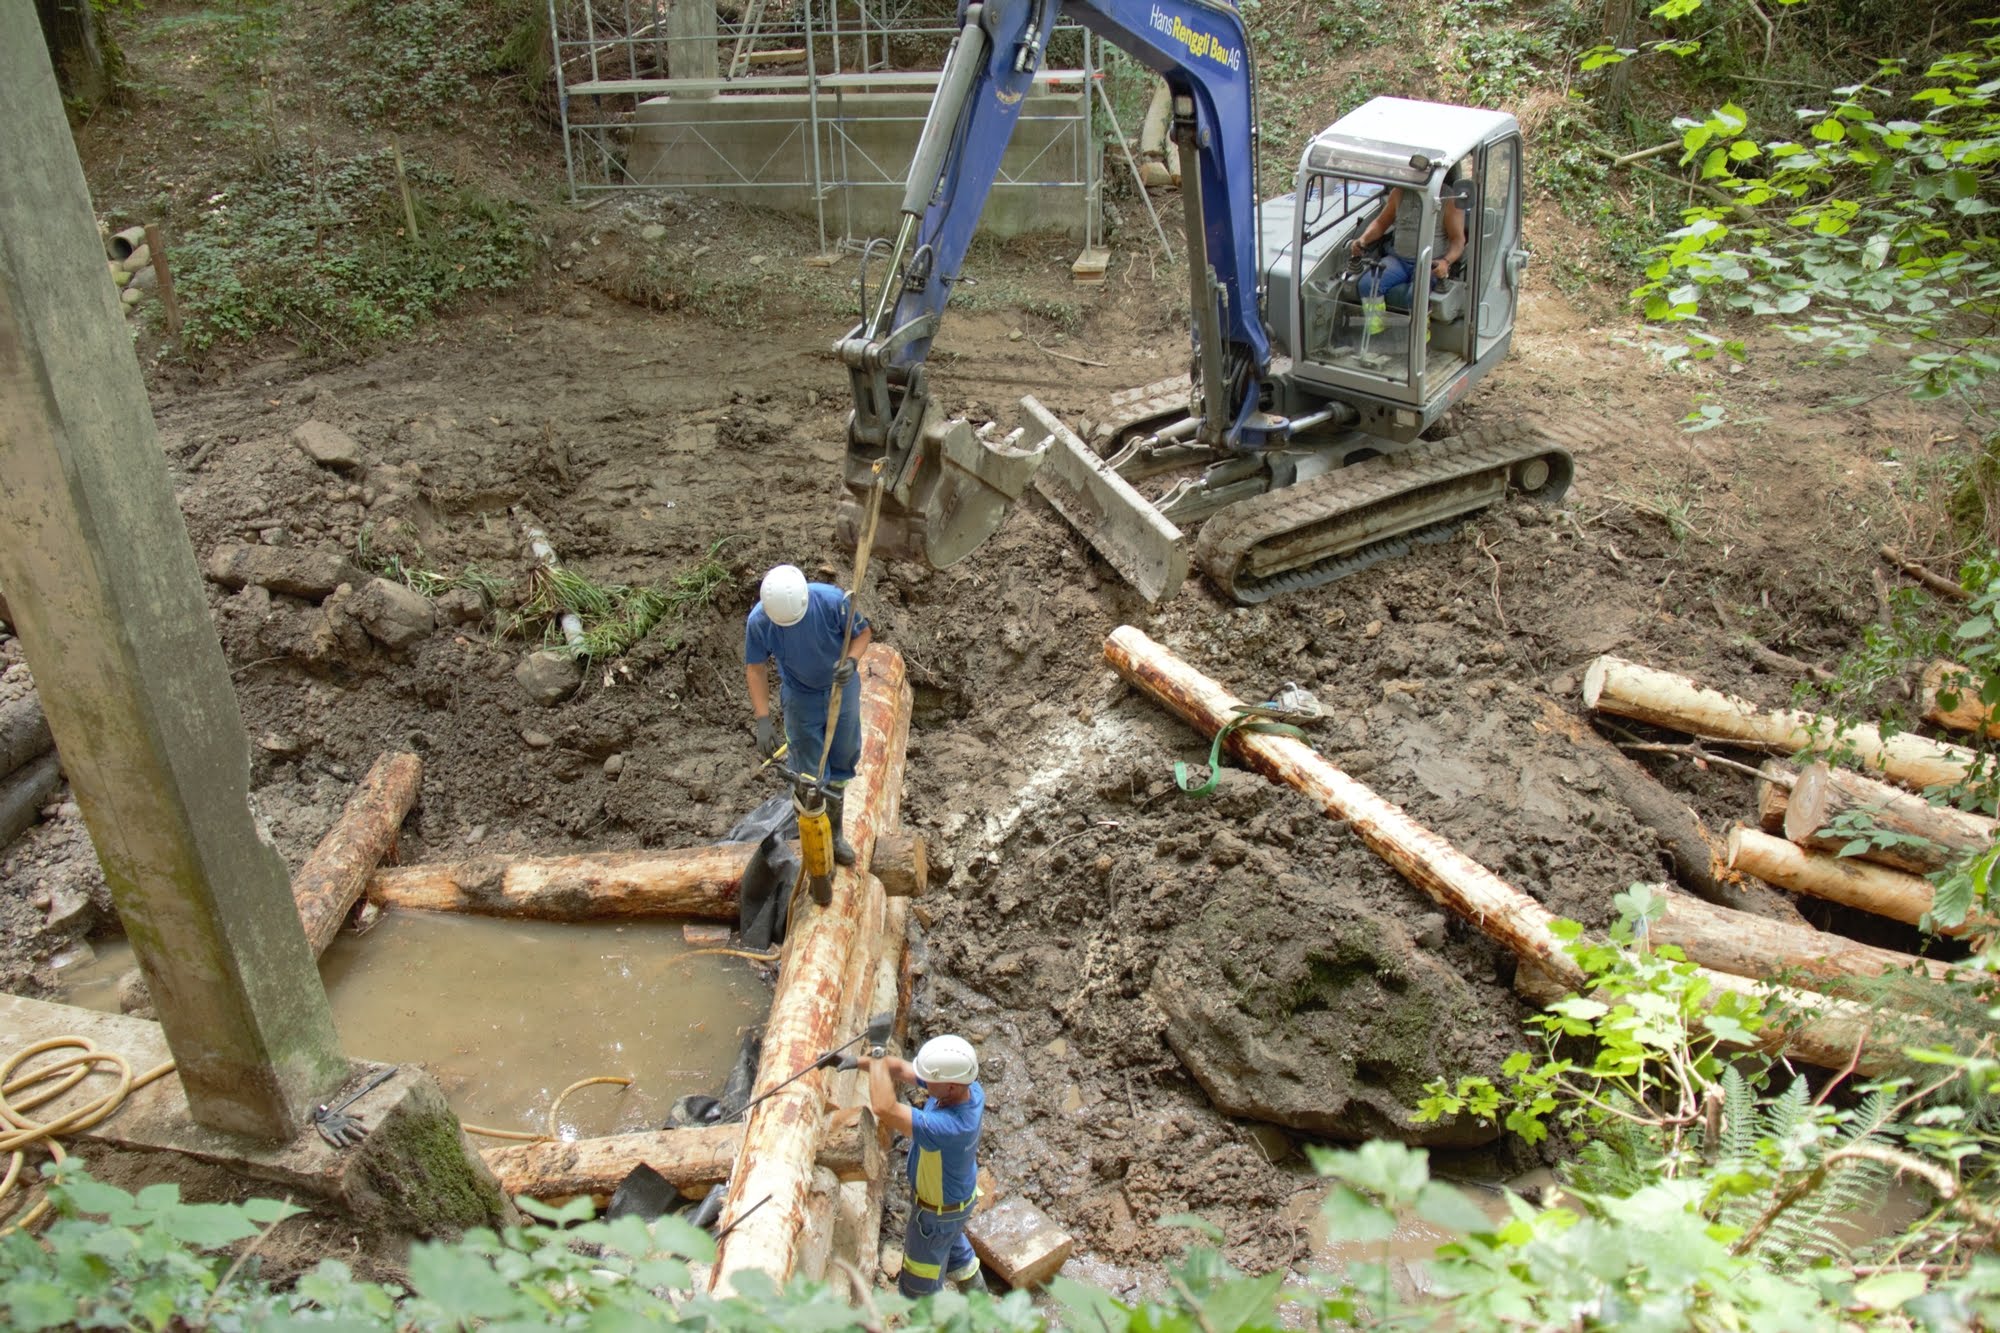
(1019, 1242)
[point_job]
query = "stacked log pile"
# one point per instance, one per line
(1861, 839)
(1816, 1028)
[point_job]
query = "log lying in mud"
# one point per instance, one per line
(24, 792)
(1453, 879)
(1666, 699)
(774, 1169)
(24, 733)
(902, 863)
(857, 1219)
(690, 1159)
(1823, 794)
(1774, 795)
(700, 882)
(1817, 1029)
(338, 869)
(1751, 946)
(1696, 855)
(1967, 713)
(694, 882)
(1895, 894)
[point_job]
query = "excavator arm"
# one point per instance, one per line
(946, 489)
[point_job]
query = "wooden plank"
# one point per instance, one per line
(334, 876)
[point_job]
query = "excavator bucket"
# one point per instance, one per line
(959, 490)
(1137, 540)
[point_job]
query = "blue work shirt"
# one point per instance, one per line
(944, 1149)
(807, 652)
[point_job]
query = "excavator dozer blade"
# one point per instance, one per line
(959, 492)
(1137, 540)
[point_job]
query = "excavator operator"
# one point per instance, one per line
(1400, 264)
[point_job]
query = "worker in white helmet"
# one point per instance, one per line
(802, 627)
(944, 1158)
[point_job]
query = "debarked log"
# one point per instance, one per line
(1822, 795)
(1894, 894)
(333, 877)
(1667, 699)
(1696, 854)
(690, 1159)
(902, 863)
(700, 882)
(1818, 1029)
(1966, 713)
(772, 1181)
(24, 792)
(695, 882)
(1453, 879)
(1774, 794)
(1752, 946)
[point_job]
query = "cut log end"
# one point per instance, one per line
(1594, 677)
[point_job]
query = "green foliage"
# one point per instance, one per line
(1870, 230)
(1890, 653)
(614, 617)
(241, 34)
(434, 60)
(1712, 1189)
(315, 247)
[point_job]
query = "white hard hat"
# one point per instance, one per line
(947, 1060)
(784, 595)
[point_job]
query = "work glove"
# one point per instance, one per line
(767, 737)
(843, 670)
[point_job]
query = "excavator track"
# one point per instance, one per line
(1346, 520)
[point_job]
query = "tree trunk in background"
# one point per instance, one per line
(86, 61)
(1621, 19)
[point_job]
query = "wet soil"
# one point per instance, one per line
(1082, 899)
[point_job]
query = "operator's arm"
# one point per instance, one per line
(1379, 228)
(884, 1072)
(859, 646)
(1454, 235)
(757, 677)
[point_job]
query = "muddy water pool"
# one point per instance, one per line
(507, 1014)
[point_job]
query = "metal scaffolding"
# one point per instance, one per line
(611, 56)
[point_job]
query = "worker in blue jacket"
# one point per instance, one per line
(944, 1158)
(803, 627)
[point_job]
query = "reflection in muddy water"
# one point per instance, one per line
(507, 1014)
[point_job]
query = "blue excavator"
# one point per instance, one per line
(1297, 440)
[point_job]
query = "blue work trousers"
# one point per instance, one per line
(805, 731)
(1395, 272)
(935, 1248)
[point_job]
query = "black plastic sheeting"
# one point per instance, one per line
(773, 870)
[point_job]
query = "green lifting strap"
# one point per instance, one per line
(1246, 720)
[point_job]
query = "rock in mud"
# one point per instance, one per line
(548, 677)
(329, 446)
(393, 615)
(461, 606)
(1332, 1027)
(134, 996)
(285, 569)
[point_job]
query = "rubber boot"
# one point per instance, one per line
(973, 1281)
(843, 850)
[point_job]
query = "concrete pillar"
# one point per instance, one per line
(692, 46)
(105, 594)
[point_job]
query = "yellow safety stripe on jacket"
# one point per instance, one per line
(930, 1177)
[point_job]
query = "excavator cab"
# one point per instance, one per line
(1375, 326)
